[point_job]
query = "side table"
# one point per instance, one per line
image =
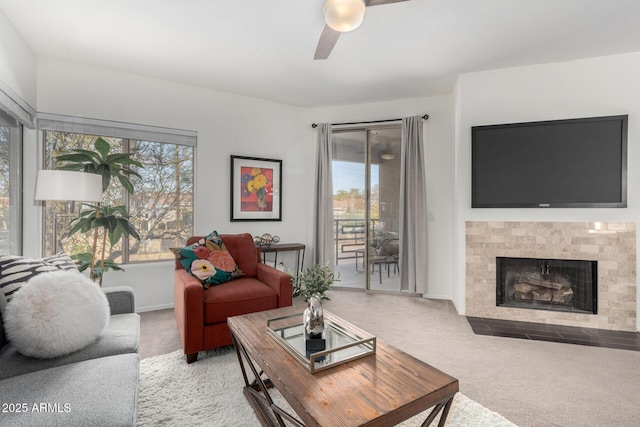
(285, 247)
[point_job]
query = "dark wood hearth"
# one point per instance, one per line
(556, 333)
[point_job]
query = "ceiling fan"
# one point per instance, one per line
(340, 17)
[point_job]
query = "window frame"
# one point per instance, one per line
(126, 132)
(16, 142)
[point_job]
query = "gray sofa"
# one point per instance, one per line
(95, 386)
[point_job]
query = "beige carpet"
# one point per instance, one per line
(209, 393)
(531, 383)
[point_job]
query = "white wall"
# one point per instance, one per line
(438, 139)
(230, 124)
(17, 62)
(585, 88)
(226, 124)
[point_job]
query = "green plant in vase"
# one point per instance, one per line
(314, 281)
(113, 221)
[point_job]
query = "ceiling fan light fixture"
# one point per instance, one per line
(344, 15)
(388, 156)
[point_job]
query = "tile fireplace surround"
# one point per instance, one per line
(612, 244)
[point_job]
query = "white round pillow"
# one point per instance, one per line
(55, 314)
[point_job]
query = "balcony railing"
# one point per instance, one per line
(349, 235)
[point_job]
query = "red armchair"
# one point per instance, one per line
(201, 314)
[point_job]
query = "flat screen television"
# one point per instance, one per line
(575, 163)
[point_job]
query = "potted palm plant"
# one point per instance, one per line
(112, 220)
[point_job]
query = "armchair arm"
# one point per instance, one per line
(189, 310)
(279, 281)
(121, 299)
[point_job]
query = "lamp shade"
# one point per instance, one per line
(68, 186)
(344, 15)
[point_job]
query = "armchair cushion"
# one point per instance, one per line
(244, 295)
(208, 260)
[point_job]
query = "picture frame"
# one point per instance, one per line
(256, 189)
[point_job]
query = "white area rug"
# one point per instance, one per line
(209, 393)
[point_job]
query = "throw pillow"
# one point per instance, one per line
(208, 260)
(55, 314)
(15, 271)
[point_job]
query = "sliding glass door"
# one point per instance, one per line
(366, 191)
(384, 209)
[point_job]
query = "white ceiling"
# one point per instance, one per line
(264, 48)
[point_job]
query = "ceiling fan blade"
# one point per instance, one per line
(329, 36)
(327, 41)
(380, 2)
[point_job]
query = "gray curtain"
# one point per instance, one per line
(323, 252)
(413, 208)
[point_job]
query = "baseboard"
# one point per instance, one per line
(153, 308)
(431, 296)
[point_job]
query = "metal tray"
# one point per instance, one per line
(343, 342)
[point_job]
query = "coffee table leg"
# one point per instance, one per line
(261, 403)
(442, 406)
(445, 412)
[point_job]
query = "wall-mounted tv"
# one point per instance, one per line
(575, 163)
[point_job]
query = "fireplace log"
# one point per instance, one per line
(528, 291)
(520, 295)
(563, 295)
(563, 292)
(546, 295)
(526, 288)
(532, 280)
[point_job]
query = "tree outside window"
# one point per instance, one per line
(161, 207)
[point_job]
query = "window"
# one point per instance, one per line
(10, 185)
(161, 206)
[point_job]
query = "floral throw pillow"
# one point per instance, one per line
(208, 260)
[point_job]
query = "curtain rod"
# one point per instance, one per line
(315, 125)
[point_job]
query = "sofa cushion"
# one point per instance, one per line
(121, 336)
(98, 392)
(208, 260)
(56, 313)
(242, 296)
(15, 271)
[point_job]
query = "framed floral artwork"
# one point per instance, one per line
(256, 189)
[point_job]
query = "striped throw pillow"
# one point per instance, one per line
(15, 271)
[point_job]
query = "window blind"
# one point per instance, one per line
(60, 123)
(16, 107)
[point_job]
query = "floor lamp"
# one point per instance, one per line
(69, 186)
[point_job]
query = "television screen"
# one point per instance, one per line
(579, 163)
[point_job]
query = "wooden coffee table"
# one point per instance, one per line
(382, 389)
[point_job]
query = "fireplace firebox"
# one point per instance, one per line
(547, 284)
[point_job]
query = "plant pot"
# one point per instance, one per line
(313, 318)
